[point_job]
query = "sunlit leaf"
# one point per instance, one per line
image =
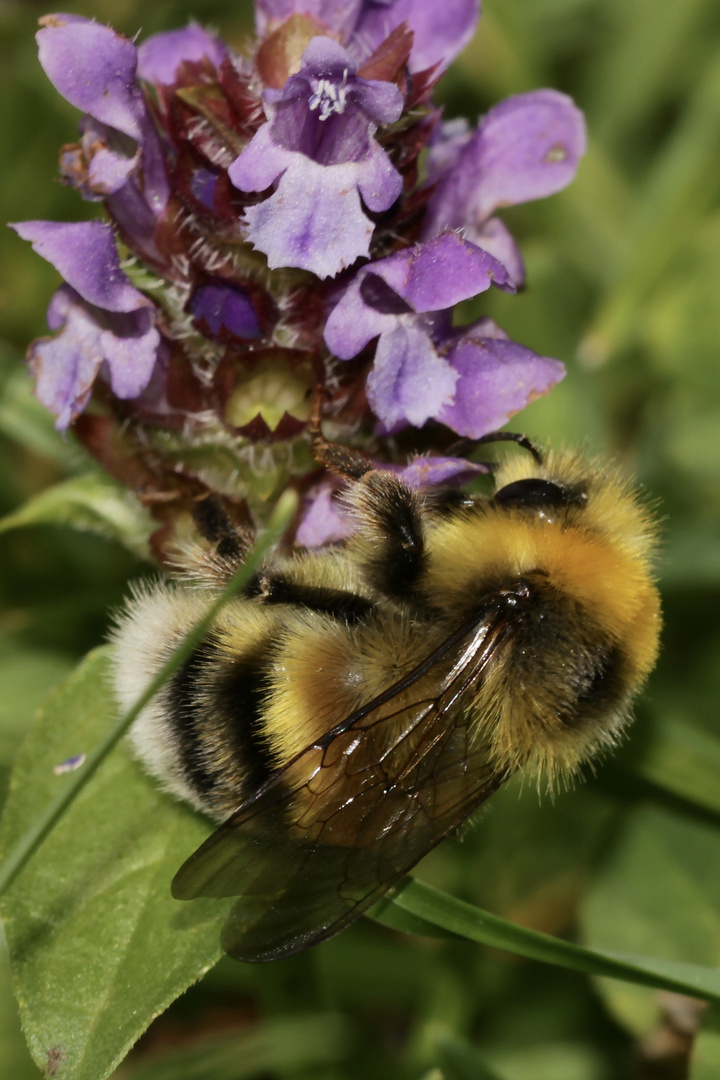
(26, 677)
(92, 911)
(91, 503)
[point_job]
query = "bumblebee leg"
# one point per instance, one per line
(213, 522)
(273, 587)
(230, 544)
(339, 459)
(391, 534)
(392, 543)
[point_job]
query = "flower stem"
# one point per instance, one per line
(45, 823)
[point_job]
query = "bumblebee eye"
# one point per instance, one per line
(539, 494)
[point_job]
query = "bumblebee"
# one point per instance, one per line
(357, 703)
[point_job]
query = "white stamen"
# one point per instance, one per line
(329, 97)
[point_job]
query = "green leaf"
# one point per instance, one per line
(15, 1061)
(423, 901)
(705, 1059)
(93, 911)
(658, 889)
(26, 677)
(684, 761)
(552, 1060)
(91, 503)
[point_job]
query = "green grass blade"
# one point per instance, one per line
(424, 902)
(33, 838)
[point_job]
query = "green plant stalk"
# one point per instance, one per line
(36, 834)
(437, 908)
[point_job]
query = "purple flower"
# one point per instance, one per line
(496, 378)
(525, 148)
(318, 146)
(101, 317)
(323, 519)
(326, 521)
(473, 379)
(223, 308)
(103, 83)
(120, 157)
(159, 58)
(241, 184)
(440, 30)
(66, 366)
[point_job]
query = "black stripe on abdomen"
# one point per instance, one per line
(216, 706)
(187, 710)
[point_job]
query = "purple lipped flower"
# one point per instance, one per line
(323, 518)
(160, 56)
(224, 308)
(118, 134)
(525, 148)
(101, 318)
(318, 146)
(423, 368)
(65, 367)
(496, 379)
(289, 253)
(440, 31)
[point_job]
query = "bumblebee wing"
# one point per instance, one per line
(329, 833)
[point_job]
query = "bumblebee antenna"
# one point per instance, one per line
(463, 447)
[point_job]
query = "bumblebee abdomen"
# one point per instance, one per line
(215, 706)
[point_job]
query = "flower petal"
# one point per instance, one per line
(494, 237)
(378, 182)
(441, 30)
(353, 322)
(527, 147)
(130, 347)
(260, 163)
(424, 472)
(94, 69)
(66, 366)
(160, 55)
(323, 519)
(108, 168)
(225, 307)
(85, 254)
(409, 381)
(440, 273)
(313, 221)
(428, 277)
(497, 378)
(338, 15)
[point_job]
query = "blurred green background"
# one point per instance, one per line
(624, 286)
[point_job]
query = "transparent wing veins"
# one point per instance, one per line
(298, 883)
